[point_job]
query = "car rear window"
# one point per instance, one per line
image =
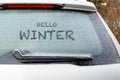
(57, 34)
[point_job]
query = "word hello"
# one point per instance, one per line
(46, 24)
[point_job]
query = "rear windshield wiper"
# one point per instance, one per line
(26, 56)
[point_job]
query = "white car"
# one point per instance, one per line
(56, 40)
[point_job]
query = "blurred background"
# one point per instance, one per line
(110, 11)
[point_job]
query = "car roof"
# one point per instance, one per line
(68, 4)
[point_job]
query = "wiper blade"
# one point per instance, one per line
(26, 56)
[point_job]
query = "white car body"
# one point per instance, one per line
(59, 72)
(62, 71)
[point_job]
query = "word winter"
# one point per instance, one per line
(47, 35)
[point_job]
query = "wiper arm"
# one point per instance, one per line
(25, 56)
